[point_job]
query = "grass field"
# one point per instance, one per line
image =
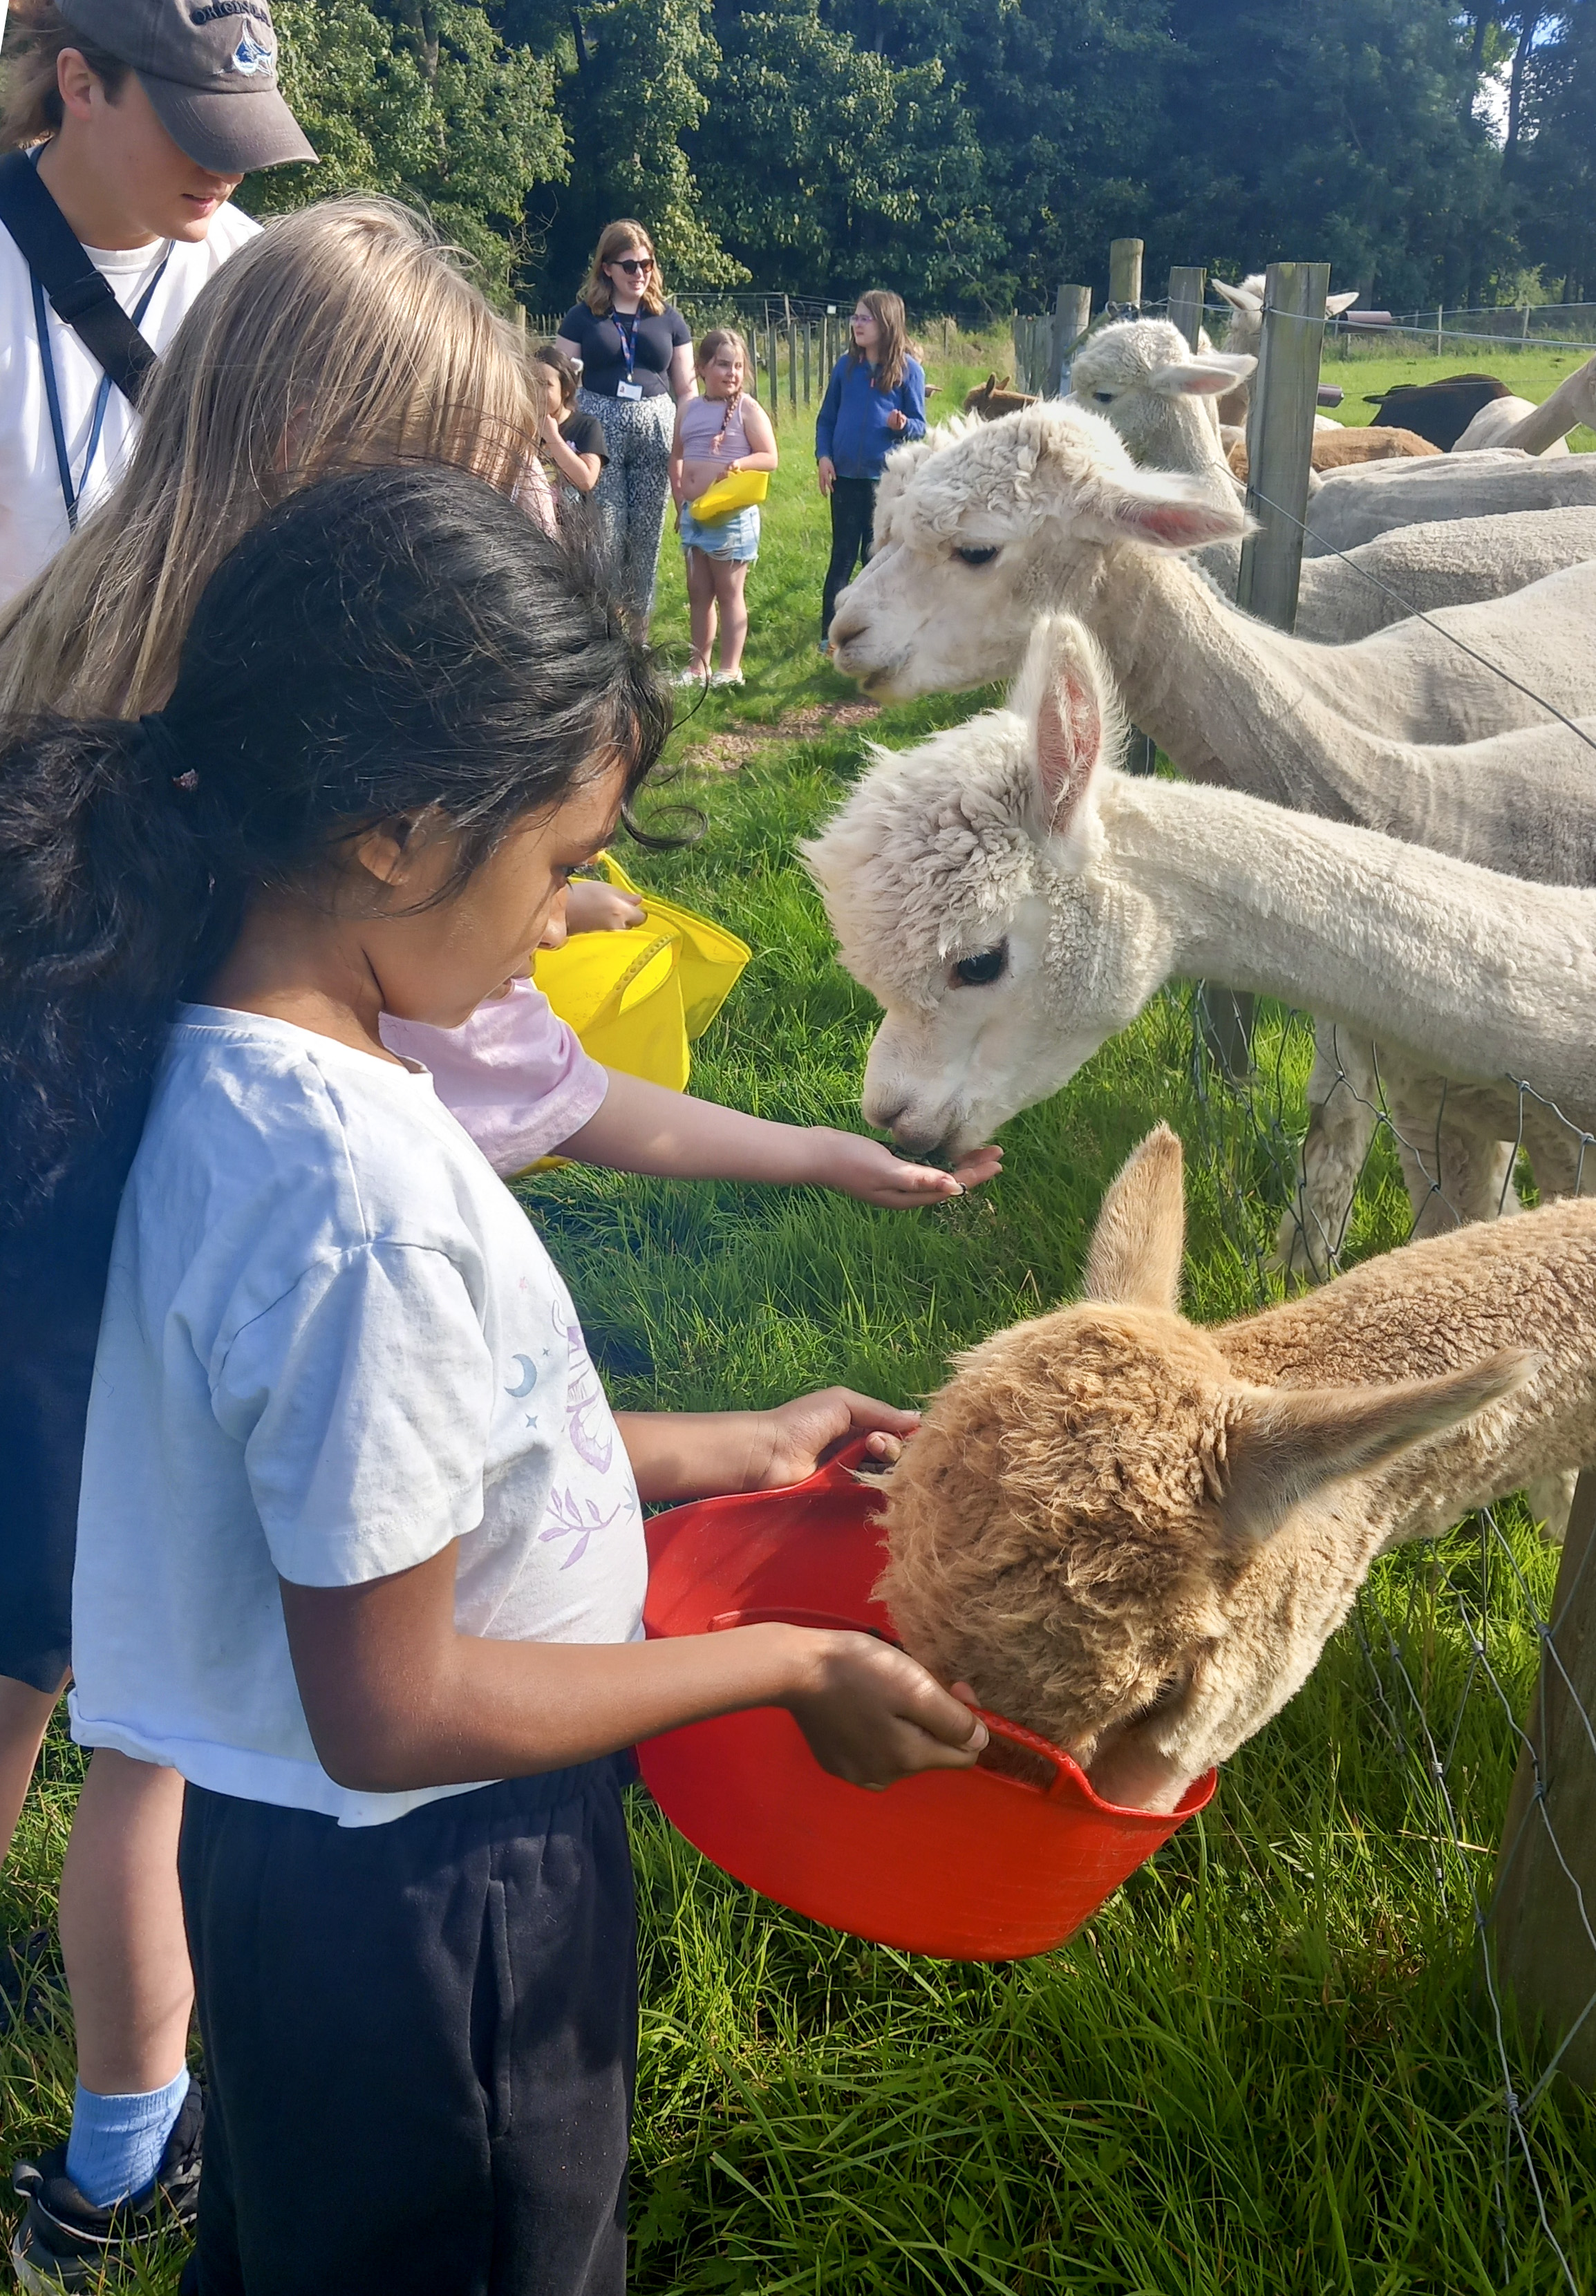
(1267, 2067)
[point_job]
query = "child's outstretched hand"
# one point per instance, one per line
(593, 907)
(856, 1166)
(794, 1437)
(872, 1715)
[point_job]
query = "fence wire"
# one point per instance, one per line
(1446, 1633)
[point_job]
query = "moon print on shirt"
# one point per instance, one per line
(527, 1381)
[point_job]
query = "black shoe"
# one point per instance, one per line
(64, 2243)
(29, 1972)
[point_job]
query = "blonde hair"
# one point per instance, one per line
(31, 106)
(613, 241)
(343, 337)
(892, 353)
(720, 339)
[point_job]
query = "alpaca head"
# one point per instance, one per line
(1158, 394)
(962, 884)
(1118, 1543)
(981, 527)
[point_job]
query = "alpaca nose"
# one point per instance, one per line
(920, 1146)
(848, 622)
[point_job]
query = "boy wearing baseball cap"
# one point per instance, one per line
(139, 118)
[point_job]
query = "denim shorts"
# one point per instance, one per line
(736, 537)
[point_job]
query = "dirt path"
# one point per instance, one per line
(730, 751)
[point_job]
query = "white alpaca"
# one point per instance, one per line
(1541, 429)
(1137, 1534)
(1012, 903)
(980, 531)
(1159, 395)
(1245, 334)
(1354, 506)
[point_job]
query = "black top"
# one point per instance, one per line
(602, 346)
(584, 435)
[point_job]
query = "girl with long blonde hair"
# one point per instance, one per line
(718, 434)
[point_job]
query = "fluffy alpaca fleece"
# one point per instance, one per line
(1344, 446)
(1354, 506)
(1136, 1536)
(980, 529)
(1012, 902)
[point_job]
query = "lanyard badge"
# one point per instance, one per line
(629, 351)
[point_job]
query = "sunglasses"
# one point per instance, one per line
(634, 264)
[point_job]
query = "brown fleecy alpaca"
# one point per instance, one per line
(1136, 1536)
(990, 399)
(1342, 445)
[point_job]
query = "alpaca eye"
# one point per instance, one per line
(1105, 396)
(980, 971)
(977, 557)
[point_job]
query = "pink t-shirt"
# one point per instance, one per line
(514, 1075)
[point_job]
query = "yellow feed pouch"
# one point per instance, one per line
(738, 491)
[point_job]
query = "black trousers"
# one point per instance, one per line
(852, 521)
(420, 2041)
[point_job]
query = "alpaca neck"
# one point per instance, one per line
(1453, 962)
(1453, 1300)
(1227, 699)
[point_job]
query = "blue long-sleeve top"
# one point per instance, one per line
(852, 426)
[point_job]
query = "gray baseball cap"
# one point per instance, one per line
(209, 67)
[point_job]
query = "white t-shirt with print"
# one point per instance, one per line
(33, 515)
(332, 1344)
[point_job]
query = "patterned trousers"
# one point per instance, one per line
(629, 502)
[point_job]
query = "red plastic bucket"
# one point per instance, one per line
(979, 1865)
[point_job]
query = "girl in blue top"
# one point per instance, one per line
(874, 401)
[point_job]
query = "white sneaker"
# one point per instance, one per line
(727, 677)
(689, 677)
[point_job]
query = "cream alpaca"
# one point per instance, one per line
(1012, 903)
(982, 529)
(1137, 1535)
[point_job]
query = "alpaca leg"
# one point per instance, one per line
(1343, 1108)
(1457, 1167)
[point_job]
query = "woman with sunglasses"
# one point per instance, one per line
(636, 354)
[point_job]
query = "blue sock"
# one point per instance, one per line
(117, 2142)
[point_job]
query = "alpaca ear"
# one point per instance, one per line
(1199, 378)
(1140, 1235)
(1333, 305)
(1169, 511)
(1063, 695)
(1288, 1443)
(1239, 298)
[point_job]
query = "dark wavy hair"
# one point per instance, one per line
(387, 643)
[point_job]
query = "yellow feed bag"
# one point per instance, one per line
(638, 998)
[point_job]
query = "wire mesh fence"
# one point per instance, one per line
(1479, 1649)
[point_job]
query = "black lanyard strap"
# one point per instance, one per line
(73, 494)
(82, 298)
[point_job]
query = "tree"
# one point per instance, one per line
(842, 168)
(1556, 176)
(437, 112)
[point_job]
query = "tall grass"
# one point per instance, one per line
(1266, 2067)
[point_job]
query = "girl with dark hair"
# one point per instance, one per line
(361, 1550)
(874, 401)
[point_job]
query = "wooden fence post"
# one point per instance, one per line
(1546, 1866)
(807, 392)
(774, 369)
(792, 360)
(1188, 284)
(1280, 446)
(1125, 278)
(1071, 316)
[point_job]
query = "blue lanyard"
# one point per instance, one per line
(73, 495)
(629, 339)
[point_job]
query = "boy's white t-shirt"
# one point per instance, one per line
(332, 1344)
(33, 514)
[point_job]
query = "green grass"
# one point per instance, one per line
(1267, 2066)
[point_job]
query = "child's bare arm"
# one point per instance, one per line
(593, 907)
(397, 1699)
(642, 1127)
(762, 440)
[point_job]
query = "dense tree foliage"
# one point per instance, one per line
(968, 151)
